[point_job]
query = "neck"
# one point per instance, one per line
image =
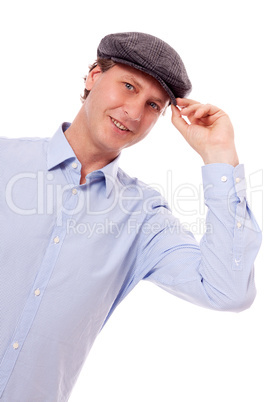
(90, 157)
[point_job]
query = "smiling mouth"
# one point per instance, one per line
(119, 125)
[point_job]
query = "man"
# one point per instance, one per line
(77, 233)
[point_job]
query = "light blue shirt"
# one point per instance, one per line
(70, 253)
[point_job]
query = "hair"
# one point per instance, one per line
(105, 65)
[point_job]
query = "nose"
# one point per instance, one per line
(134, 109)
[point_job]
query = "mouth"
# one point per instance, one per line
(119, 125)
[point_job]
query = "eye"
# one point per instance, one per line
(129, 86)
(154, 106)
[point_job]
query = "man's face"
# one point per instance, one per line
(122, 107)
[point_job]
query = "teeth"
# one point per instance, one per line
(117, 124)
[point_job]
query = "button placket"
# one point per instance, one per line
(35, 296)
(73, 173)
(16, 345)
(56, 240)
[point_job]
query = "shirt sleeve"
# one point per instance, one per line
(218, 273)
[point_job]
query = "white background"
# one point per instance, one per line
(156, 347)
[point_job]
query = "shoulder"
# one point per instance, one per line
(20, 143)
(22, 150)
(133, 188)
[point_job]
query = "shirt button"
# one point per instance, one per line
(238, 225)
(16, 345)
(223, 178)
(237, 180)
(74, 165)
(56, 239)
(37, 292)
(74, 191)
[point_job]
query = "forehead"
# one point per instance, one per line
(143, 80)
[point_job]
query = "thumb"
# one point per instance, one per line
(178, 121)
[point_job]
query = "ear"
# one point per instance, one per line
(93, 75)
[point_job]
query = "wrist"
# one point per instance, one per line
(231, 158)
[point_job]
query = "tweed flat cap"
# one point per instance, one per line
(150, 55)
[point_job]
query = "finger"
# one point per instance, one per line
(179, 121)
(190, 113)
(206, 110)
(184, 102)
(199, 111)
(190, 110)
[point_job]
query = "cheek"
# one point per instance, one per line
(149, 123)
(145, 129)
(111, 98)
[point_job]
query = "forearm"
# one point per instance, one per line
(218, 273)
(229, 247)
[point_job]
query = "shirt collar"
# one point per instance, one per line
(110, 173)
(59, 150)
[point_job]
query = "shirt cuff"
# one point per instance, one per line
(224, 180)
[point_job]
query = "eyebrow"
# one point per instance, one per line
(137, 84)
(131, 78)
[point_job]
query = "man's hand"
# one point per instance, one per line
(210, 132)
